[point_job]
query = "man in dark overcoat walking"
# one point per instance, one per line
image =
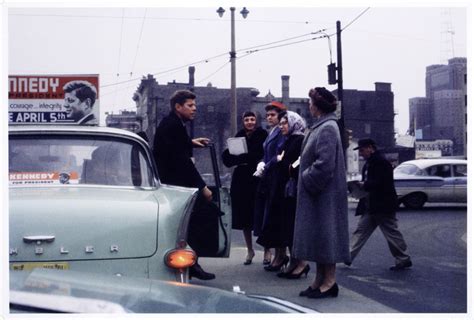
(379, 206)
(172, 150)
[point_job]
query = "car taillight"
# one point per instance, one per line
(180, 258)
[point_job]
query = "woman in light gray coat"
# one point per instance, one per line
(321, 226)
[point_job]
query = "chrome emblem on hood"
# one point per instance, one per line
(114, 248)
(89, 249)
(13, 251)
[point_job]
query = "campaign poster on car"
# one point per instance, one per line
(53, 99)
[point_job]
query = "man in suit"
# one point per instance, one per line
(172, 150)
(378, 208)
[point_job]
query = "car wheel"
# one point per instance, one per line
(414, 200)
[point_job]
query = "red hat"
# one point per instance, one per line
(275, 104)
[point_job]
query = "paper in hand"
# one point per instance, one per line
(237, 146)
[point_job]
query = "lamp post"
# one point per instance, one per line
(232, 53)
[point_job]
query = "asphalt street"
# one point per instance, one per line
(437, 283)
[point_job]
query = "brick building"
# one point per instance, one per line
(367, 113)
(371, 114)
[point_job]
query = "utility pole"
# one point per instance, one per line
(233, 89)
(340, 91)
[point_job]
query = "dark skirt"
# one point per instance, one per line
(242, 192)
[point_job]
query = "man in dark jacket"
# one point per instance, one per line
(379, 206)
(172, 150)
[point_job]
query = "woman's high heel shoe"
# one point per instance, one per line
(248, 259)
(298, 275)
(284, 262)
(283, 274)
(317, 294)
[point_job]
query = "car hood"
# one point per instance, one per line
(86, 223)
(126, 294)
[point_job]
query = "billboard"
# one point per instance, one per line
(53, 99)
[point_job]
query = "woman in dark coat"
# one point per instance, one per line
(278, 230)
(321, 225)
(244, 184)
(265, 171)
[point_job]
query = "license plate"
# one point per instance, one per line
(45, 265)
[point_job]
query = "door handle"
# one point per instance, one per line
(38, 239)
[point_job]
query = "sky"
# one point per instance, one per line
(122, 44)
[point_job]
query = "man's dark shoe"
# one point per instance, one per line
(197, 272)
(402, 265)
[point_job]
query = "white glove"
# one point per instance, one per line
(260, 168)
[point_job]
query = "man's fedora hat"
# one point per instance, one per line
(366, 142)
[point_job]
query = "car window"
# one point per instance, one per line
(460, 170)
(77, 160)
(442, 170)
(410, 169)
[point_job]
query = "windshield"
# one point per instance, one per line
(59, 160)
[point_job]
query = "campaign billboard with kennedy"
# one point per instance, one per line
(53, 99)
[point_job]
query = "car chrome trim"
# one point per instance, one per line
(38, 239)
(13, 251)
(182, 236)
(89, 249)
(39, 250)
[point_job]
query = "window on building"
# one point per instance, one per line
(367, 128)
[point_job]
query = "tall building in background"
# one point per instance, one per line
(442, 114)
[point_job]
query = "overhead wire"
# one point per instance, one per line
(225, 54)
(356, 18)
(138, 43)
(210, 75)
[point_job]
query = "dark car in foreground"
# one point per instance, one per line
(59, 291)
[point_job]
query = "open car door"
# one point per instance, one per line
(211, 223)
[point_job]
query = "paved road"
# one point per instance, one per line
(437, 283)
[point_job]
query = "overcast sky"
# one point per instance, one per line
(383, 44)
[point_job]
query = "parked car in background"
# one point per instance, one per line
(58, 291)
(89, 199)
(431, 180)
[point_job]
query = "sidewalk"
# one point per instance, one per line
(252, 279)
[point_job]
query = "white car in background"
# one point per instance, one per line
(431, 180)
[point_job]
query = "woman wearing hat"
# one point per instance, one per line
(244, 184)
(278, 232)
(266, 172)
(321, 225)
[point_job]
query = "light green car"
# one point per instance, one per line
(89, 199)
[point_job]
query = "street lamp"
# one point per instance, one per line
(233, 89)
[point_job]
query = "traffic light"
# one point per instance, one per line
(332, 73)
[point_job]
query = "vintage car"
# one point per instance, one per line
(90, 199)
(431, 180)
(59, 291)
